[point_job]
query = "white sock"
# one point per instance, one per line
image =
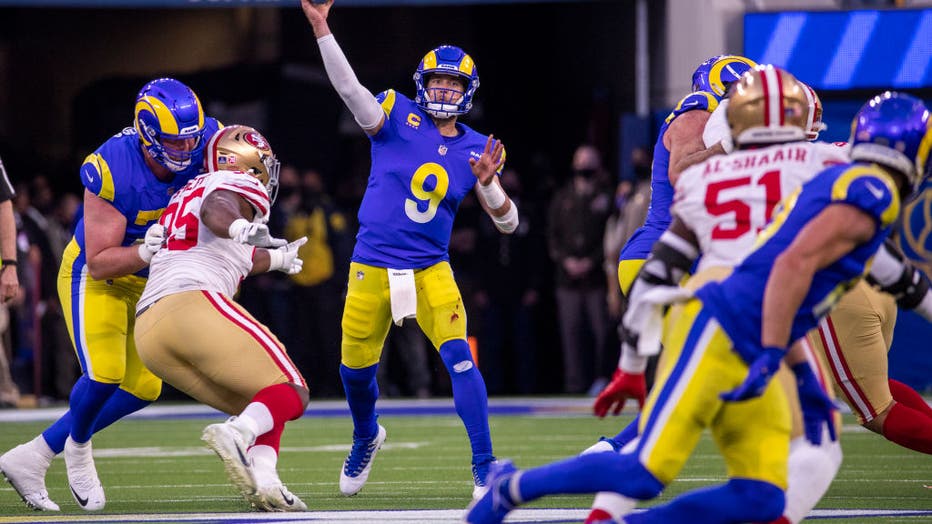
(260, 416)
(811, 471)
(39, 444)
(614, 504)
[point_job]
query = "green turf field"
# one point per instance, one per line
(160, 466)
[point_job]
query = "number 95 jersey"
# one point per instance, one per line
(417, 180)
(727, 200)
(194, 258)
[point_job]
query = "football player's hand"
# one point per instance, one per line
(153, 241)
(759, 374)
(489, 162)
(316, 10)
(622, 387)
(285, 258)
(818, 408)
(246, 232)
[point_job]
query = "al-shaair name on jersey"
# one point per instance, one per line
(728, 199)
(737, 302)
(417, 180)
(117, 172)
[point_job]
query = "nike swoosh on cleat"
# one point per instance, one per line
(288, 500)
(242, 458)
(82, 502)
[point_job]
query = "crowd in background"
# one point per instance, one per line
(544, 302)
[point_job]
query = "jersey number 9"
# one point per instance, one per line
(423, 195)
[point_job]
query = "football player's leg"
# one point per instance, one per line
(365, 323)
(753, 436)
(442, 317)
(856, 338)
(683, 402)
(811, 469)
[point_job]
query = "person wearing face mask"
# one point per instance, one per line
(576, 226)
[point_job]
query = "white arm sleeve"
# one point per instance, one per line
(358, 99)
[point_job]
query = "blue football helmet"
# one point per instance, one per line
(166, 109)
(716, 74)
(448, 60)
(894, 130)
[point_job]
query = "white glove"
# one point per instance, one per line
(285, 258)
(254, 234)
(155, 237)
(717, 128)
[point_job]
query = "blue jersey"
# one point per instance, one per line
(117, 172)
(661, 190)
(737, 302)
(416, 183)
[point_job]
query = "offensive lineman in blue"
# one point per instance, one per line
(423, 163)
(679, 145)
(128, 182)
(733, 335)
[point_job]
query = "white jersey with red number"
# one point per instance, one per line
(193, 257)
(728, 199)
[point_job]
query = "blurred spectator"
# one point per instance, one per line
(406, 345)
(31, 242)
(315, 304)
(576, 227)
(508, 299)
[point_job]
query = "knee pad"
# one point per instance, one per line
(456, 356)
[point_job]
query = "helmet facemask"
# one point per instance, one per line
(452, 61)
(168, 115)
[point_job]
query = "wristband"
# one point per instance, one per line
(276, 259)
(8, 262)
(493, 194)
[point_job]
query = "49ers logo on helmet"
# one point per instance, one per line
(256, 140)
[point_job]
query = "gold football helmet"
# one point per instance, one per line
(242, 148)
(767, 106)
(814, 124)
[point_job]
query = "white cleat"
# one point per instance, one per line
(479, 491)
(358, 464)
(24, 468)
(82, 476)
(230, 445)
(276, 497)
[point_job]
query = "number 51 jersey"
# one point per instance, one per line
(728, 199)
(417, 180)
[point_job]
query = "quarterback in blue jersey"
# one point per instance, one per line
(424, 162)
(128, 181)
(732, 336)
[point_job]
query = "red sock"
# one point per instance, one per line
(907, 395)
(283, 402)
(271, 438)
(909, 428)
